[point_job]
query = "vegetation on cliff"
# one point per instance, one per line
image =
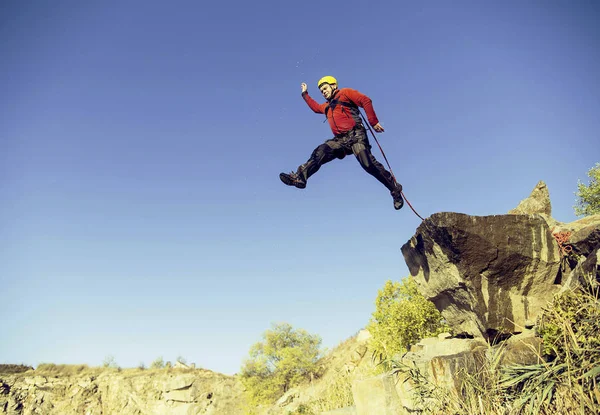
(401, 318)
(588, 197)
(565, 382)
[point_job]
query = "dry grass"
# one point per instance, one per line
(13, 369)
(62, 370)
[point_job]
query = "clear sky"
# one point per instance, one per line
(141, 211)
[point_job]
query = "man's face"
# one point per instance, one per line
(327, 90)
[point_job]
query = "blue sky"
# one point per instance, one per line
(141, 142)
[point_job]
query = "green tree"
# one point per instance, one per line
(281, 361)
(588, 197)
(402, 317)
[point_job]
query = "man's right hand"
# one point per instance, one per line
(304, 87)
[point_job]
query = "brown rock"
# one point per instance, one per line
(537, 202)
(522, 350)
(488, 275)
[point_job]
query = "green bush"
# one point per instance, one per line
(402, 317)
(588, 197)
(284, 358)
(158, 363)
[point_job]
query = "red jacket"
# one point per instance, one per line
(342, 109)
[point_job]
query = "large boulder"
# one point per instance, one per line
(521, 350)
(488, 275)
(440, 362)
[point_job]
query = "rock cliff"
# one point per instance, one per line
(124, 392)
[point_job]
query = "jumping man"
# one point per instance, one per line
(350, 136)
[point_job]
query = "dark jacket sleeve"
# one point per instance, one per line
(363, 101)
(314, 105)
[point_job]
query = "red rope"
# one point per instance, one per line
(562, 238)
(388, 164)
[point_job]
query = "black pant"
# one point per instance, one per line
(353, 142)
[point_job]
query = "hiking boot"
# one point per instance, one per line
(293, 179)
(397, 195)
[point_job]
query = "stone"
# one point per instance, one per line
(180, 365)
(521, 350)
(175, 382)
(36, 381)
(488, 275)
(537, 202)
(587, 269)
(439, 362)
(188, 395)
(376, 395)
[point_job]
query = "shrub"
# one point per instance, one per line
(281, 361)
(402, 317)
(158, 363)
(588, 197)
(110, 362)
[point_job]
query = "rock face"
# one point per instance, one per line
(443, 362)
(132, 391)
(488, 275)
(537, 202)
(376, 395)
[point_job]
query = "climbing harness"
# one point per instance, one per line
(388, 163)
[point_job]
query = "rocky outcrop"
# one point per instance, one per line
(537, 202)
(488, 275)
(132, 391)
(445, 362)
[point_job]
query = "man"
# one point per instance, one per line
(350, 136)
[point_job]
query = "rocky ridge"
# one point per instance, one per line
(123, 392)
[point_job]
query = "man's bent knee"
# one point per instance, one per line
(364, 158)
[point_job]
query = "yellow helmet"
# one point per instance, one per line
(327, 80)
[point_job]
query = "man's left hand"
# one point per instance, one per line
(377, 127)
